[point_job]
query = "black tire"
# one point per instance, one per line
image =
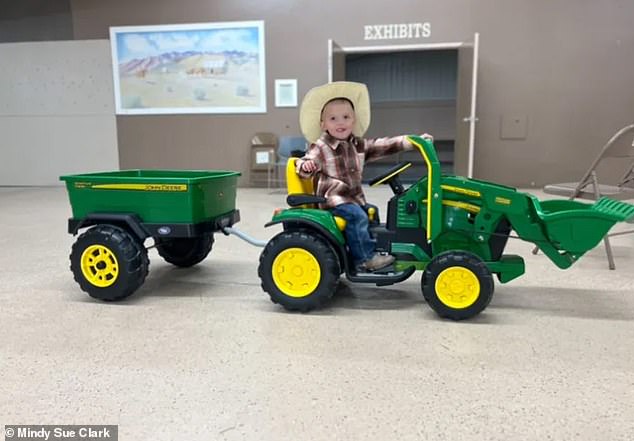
(185, 251)
(115, 263)
(471, 287)
(302, 292)
(423, 281)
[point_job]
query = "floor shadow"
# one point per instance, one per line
(221, 280)
(206, 279)
(370, 297)
(565, 302)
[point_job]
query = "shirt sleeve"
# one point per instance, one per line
(313, 153)
(376, 148)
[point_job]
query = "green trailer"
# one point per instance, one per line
(179, 209)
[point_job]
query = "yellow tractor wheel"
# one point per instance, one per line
(457, 285)
(299, 270)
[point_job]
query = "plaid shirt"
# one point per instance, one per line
(340, 165)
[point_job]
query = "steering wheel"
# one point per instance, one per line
(391, 177)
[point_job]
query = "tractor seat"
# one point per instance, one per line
(301, 193)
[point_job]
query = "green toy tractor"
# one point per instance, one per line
(452, 228)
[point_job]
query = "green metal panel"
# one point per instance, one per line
(157, 196)
(412, 249)
(508, 267)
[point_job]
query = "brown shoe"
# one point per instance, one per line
(378, 261)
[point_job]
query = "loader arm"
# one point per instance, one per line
(434, 190)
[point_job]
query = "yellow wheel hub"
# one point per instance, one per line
(457, 287)
(99, 266)
(296, 272)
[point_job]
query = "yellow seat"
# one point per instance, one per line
(341, 223)
(295, 185)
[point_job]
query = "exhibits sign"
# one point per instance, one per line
(397, 31)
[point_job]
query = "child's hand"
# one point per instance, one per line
(427, 136)
(308, 166)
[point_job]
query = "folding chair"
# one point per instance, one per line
(589, 186)
(263, 151)
(288, 146)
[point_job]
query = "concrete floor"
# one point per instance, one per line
(202, 354)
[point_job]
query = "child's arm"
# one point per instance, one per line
(310, 163)
(379, 147)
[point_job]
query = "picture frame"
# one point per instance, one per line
(286, 93)
(189, 68)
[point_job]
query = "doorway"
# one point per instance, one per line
(415, 89)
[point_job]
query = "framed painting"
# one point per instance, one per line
(189, 68)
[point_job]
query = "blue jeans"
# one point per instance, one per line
(357, 235)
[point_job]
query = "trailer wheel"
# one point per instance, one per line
(108, 262)
(185, 251)
(457, 285)
(299, 271)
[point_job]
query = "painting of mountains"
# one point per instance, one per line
(195, 68)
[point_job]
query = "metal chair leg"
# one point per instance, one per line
(608, 251)
(606, 241)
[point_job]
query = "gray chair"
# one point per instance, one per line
(589, 186)
(287, 147)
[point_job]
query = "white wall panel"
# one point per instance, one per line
(37, 150)
(56, 111)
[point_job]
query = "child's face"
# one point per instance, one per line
(338, 119)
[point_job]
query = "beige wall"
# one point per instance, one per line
(564, 65)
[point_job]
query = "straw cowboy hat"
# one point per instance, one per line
(317, 97)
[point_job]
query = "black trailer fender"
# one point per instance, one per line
(131, 221)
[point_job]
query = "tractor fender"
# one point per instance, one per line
(310, 225)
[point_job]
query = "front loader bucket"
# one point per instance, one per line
(621, 210)
(577, 227)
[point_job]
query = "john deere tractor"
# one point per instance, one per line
(451, 228)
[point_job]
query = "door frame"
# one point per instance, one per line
(471, 118)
